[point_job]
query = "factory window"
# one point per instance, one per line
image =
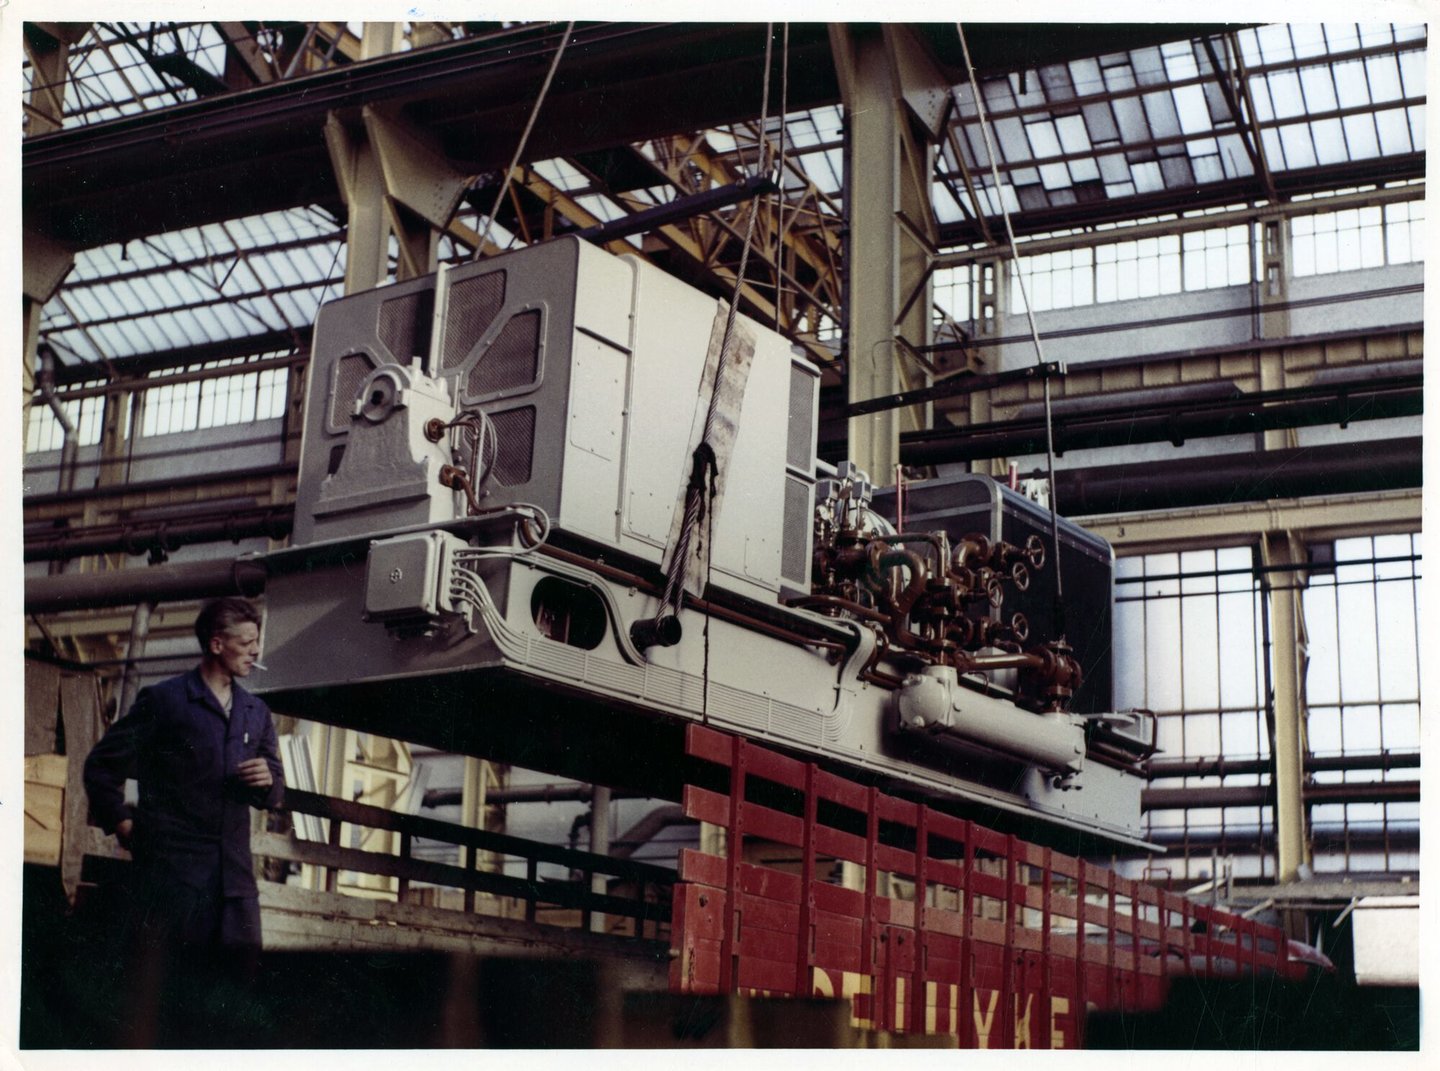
(1189, 642)
(43, 432)
(1122, 271)
(1354, 238)
(1363, 696)
(213, 402)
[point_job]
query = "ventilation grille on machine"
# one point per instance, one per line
(511, 361)
(515, 446)
(472, 306)
(795, 549)
(799, 451)
(350, 372)
(404, 325)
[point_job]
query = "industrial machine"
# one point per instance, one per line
(556, 505)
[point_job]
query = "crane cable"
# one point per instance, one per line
(524, 138)
(978, 94)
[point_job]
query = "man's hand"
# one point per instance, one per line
(123, 829)
(254, 773)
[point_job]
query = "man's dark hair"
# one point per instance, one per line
(220, 616)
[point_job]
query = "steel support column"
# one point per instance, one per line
(886, 84)
(362, 185)
(1287, 659)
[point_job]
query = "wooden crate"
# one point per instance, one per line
(44, 808)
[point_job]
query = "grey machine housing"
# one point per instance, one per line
(398, 609)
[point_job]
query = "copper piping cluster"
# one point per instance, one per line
(939, 604)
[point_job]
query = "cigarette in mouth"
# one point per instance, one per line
(258, 665)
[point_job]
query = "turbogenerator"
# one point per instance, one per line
(557, 504)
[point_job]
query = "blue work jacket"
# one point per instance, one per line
(192, 824)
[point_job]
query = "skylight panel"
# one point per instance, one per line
(1411, 32)
(1147, 177)
(1329, 138)
(1100, 123)
(1175, 170)
(998, 94)
(1394, 131)
(1412, 72)
(1179, 61)
(1070, 129)
(1033, 95)
(1207, 168)
(1194, 115)
(1285, 94)
(1373, 34)
(1417, 127)
(1273, 147)
(1084, 170)
(1299, 150)
(1044, 142)
(1342, 36)
(1010, 135)
(1308, 40)
(1360, 136)
(1130, 116)
(1148, 67)
(1275, 44)
(1352, 88)
(1384, 75)
(1085, 76)
(1118, 78)
(1056, 80)
(1234, 158)
(1054, 176)
(1319, 88)
(1160, 110)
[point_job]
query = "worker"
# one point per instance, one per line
(203, 752)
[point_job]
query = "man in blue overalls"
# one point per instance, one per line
(203, 752)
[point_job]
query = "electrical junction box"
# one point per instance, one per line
(407, 578)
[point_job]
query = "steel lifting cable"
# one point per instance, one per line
(703, 474)
(524, 138)
(977, 92)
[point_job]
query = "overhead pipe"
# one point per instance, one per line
(231, 526)
(156, 583)
(1156, 799)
